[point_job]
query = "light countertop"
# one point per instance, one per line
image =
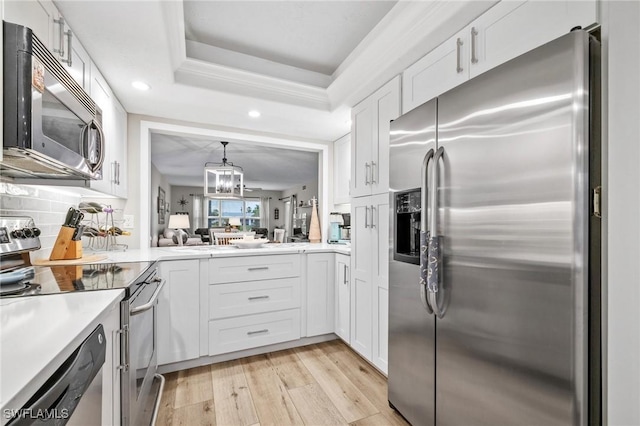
(210, 251)
(38, 333)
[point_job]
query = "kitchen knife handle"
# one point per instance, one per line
(424, 233)
(474, 40)
(459, 44)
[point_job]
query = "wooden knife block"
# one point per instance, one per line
(65, 248)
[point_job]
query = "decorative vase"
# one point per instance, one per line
(314, 227)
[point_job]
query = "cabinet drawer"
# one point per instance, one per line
(253, 297)
(253, 268)
(235, 334)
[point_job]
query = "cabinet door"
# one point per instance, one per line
(39, 15)
(101, 94)
(362, 133)
(119, 145)
(442, 69)
(387, 108)
(510, 29)
(320, 293)
(341, 169)
(343, 297)
(179, 311)
(381, 329)
(361, 277)
(380, 278)
(76, 60)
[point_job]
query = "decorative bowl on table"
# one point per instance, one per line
(249, 244)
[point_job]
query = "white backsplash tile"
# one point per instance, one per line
(48, 209)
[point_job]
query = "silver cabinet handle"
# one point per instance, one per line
(366, 216)
(60, 49)
(258, 268)
(424, 232)
(117, 173)
(251, 333)
(258, 297)
(434, 272)
(114, 169)
(150, 303)
(69, 60)
(459, 44)
(373, 223)
(373, 164)
(474, 37)
(345, 281)
(367, 170)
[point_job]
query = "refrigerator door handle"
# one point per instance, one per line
(434, 270)
(424, 233)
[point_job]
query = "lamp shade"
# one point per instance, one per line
(178, 221)
(234, 221)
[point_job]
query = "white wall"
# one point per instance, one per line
(621, 102)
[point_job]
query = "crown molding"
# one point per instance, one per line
(409, 31)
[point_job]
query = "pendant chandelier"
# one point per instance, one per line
(223, 180)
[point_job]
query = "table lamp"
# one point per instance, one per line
(178, 222)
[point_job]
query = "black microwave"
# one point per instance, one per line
(52, 127)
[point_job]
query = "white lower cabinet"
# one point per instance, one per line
(320, 293)
(253, 301)
(179, 312)
(238, 333)
(370, 281)
(342, 290)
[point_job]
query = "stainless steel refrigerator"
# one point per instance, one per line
(494, 284)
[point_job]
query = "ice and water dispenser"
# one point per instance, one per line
(407, 226)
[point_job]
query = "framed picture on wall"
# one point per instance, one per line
(162, 206)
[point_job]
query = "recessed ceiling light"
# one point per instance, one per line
(140, 85)
(254, 113)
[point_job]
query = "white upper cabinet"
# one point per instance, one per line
(442, 69)
(512, 28)
(370, 139)
(114, 126)
(507, 30)
(341, 170)
(39, 15)
(51, 28)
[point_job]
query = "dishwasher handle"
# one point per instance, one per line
(61, 393)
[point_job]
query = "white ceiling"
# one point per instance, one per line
(311, 35)
(181, 159)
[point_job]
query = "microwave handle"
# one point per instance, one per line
(98, 164)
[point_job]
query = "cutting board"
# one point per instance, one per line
(84, 259)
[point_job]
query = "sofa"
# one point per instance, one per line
(169, 237)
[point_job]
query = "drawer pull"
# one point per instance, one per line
(251, 333)
(258, 297)
(258, 268)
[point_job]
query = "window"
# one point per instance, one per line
(248, 210)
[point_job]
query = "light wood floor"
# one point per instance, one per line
(323, 384)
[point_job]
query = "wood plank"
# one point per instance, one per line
(348, 399)
(315, 407)
(375, 420)
(290, 369)
(193, 386)
(365, 377)
(273, 403)
(231, 394)
(165, 412)
(200, 414)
